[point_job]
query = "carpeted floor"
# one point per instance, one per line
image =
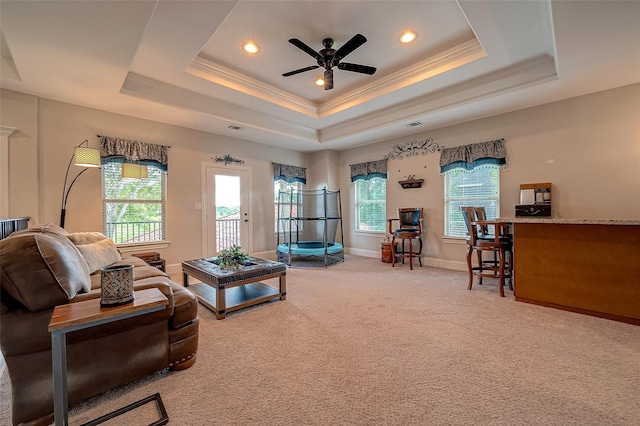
(361, 343)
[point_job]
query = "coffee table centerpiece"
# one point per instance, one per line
(225, 290)
(232, 258)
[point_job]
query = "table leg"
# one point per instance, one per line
(185, 279)
(283, 287)
(59, 364)
(221, 302)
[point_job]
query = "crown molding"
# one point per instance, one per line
(216, 73)
(461, 54)
(172, 96)
(515, 77)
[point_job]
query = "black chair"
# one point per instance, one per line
(499, 242)
(410, 228)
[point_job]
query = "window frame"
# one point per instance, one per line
(163, 242)
(358, 203)
(488, 200)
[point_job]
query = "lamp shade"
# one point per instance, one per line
(134, 171)
(87, 157)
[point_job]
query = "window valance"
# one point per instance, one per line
(289, 174)
(368, 170)
(116, 150)
(470, 156)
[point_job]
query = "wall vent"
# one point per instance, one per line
(234, 127)
(414, 124)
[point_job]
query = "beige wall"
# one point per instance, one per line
(588, 147)
(62, 126)
(323, 170)
(21, 112)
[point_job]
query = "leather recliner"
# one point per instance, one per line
(44, 266)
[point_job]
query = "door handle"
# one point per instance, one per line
(246, 220)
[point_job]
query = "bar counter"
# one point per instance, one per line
(589, 266)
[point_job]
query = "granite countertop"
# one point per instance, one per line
(569, 221)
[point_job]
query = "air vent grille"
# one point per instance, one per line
(414, 124)
(234, 127)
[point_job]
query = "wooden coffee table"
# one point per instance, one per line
(227, 290)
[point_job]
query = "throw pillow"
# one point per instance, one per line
(99, 254)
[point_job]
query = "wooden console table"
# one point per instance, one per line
(585, 266)
(80, 315)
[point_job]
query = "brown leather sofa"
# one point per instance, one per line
(44, 266)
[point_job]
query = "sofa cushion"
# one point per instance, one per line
(46, 228)
(99, 254)
(141, 270)
(42, 269)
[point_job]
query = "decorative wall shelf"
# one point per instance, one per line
(411, 183)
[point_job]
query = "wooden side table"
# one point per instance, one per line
(153, 259)
(86, 314)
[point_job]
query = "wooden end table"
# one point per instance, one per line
(227, 290)
(80, 315)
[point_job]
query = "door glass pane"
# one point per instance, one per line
(227, 196)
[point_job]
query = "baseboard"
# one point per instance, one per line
(454, 265)
(363, 253)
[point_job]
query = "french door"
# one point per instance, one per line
(225, 209)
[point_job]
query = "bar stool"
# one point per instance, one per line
(499, 243)
(410, 229)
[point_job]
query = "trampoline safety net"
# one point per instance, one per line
(310, 227)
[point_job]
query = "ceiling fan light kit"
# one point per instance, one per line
(329, 58)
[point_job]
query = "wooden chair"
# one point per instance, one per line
(410, 228)
(481, 239)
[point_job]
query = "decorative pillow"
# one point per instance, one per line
(100, 254)
(41, 270)
(80, 238)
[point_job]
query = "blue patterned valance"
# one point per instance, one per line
(116, 150)
(289, 174)
(371, 169)
(470, 156)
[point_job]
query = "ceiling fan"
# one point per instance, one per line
(329, 58)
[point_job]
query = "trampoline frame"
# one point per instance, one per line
(331, 251)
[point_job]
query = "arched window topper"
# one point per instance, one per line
(413, 149)
(122, 150)
(470, 156)
(289, 174)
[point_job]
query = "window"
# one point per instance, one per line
(281, 185)
(134, 210)
(371, 204)
(479, 187)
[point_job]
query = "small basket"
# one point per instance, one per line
(116, 284)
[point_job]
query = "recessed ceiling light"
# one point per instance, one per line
(250, 47)
(407, 37)
(319, 82)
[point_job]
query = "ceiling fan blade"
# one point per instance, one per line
(300, 45)
(312, 67)
(355, 42)
(364, 69)
(328, 79)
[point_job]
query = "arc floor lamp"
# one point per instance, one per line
(85, 157)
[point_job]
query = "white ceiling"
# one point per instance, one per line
(181, 62)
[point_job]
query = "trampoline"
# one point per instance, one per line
(310, 227)
(310, 248)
